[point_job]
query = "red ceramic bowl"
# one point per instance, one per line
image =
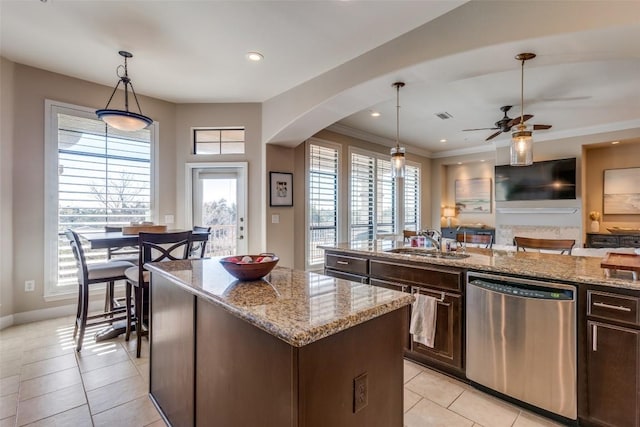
(249, 271)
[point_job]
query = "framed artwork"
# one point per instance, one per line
(473, 195)
(280, 189)
(621, 191)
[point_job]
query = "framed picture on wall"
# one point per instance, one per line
(621, 191)
(473, 195)
(280, 189)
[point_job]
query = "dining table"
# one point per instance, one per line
(116, 239)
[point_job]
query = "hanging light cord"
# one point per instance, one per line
(398, 116)
(522, 96)
(127, 82)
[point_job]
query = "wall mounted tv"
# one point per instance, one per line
(550, 180)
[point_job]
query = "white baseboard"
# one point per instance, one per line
(51, 313)
(6, 321)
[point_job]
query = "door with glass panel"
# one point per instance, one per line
(219, 203)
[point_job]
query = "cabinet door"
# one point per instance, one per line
(613, 388)
(447, 347)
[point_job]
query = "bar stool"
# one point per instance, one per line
(198, 248)
(154, 247)
(129, 254)
(563, 245)
(92, 274)
(481, 240)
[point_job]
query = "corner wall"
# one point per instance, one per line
(6, 188)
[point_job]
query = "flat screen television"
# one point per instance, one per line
(549, 180)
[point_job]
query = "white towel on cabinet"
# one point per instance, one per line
(423, 319)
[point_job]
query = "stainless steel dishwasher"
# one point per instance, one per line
(521, 340)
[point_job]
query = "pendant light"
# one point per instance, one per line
(521, 138)
(397, 152)
(124, 119)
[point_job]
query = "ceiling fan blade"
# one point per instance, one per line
(494, 135)
(541, 127)
(466, 130)
(516, 121)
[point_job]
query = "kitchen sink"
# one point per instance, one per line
(428, 253)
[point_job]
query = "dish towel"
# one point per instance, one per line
(423, 319)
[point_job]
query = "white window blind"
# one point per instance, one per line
(323, 201)
(412, 198)
(103, 177)
(373, 197)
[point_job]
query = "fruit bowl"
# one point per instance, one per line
(249, 267)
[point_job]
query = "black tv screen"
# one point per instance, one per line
(550, 180)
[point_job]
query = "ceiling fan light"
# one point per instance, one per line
(124, 120)
(398, 162)
(521, 147)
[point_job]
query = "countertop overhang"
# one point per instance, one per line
(564, 268)
(295, 306)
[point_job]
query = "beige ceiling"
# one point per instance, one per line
(335, 61)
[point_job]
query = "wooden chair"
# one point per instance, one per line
(198, 248)
(129, 254)
(563, 245)
(481, 240)
(408, 234)
(154, 247)
(89, 275)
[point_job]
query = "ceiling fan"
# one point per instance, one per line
(506, 123)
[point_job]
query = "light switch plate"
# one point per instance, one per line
(275, 219)
(168, 219)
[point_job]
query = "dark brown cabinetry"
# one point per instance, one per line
(605, 240)
(450, 232)
(446, 285)
(612, 356)
(346, 267)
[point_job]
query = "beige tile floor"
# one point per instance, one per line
(44, 382)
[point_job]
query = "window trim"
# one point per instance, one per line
(53, 292)
(339, 211)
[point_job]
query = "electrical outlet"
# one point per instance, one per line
(360, 392)
(29, 285)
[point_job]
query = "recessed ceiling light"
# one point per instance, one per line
(459, 163)
(254, 56)
(482, 160)
(443, 140)
(375, 114)
(615, 142)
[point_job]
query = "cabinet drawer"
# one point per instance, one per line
(347, 264)
(389, 285)
(599, 241)
(346, 276)
(433, 277)
(630, 241)
(620, 308)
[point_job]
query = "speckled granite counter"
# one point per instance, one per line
(297, 307)
(575, 269)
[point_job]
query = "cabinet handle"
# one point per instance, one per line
(342, 262)
(612, 307)
(594, 338)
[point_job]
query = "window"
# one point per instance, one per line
(218, 141)
(96, 175)
(323, 200)
(373, 197)
(412, 198)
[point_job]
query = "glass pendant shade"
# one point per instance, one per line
(397, 162)
(521, 147)
(124, 120)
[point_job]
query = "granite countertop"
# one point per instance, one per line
(295, 306)
(574, 269)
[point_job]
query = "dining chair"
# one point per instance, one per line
(563, 245)
(125, 253)
(481, 240)
(154, 247)
(89, 275)
(198, 248)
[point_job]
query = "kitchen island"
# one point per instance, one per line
(294, 349)
(598, 341)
